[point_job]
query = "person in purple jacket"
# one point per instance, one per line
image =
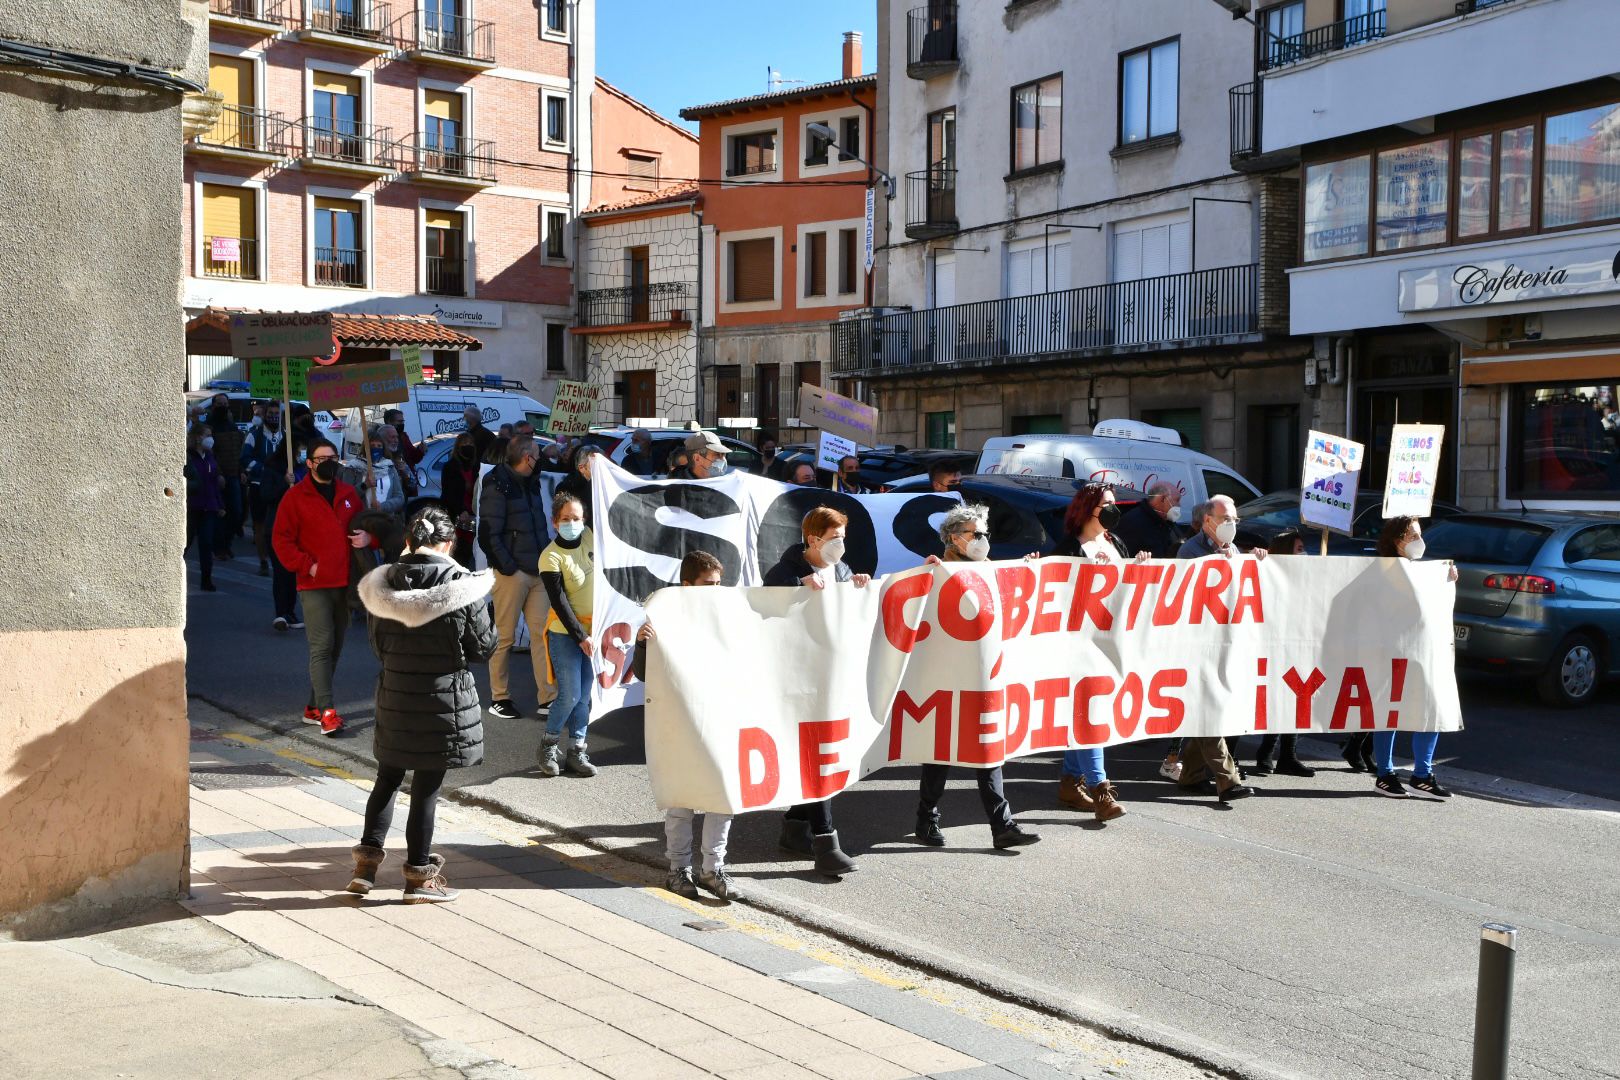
(205, 499)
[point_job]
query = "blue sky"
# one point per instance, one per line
(675, 55)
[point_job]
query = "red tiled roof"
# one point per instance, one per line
(675, 194)
(362, 331)
(776, 97)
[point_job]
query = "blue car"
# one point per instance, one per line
(1538, 593)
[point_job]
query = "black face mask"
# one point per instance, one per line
(464, 453)
(272, 422)
(218, 418)
(326, 471)
(1109, 516)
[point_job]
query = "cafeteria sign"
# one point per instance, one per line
(349, 385)
(1575, 272)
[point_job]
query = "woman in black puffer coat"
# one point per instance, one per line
(429, 619)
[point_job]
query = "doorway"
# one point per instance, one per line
(637, 262)
(1405, 379)
(1275, 450)
(768, 394)
(640, 394)
(727, 390)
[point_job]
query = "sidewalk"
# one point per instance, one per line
(542, 969)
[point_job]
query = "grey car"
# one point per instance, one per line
(1538, 593)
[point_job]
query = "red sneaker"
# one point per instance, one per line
(331, 723)
(312, 715)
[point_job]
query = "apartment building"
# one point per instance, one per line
(1070, 242)
(1459, 251)
(418, 157)
(783, 247)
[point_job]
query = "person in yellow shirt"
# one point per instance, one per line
(565, 571)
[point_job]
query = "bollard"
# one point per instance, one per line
(1493, 1001)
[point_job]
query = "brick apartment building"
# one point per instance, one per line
(409, 158)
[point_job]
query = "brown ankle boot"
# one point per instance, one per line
(1107, 805)
(1071, 792)
(366, 861)
(426, 884)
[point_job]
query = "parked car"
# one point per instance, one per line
(1026, 512)
(435, 452)
(1262, 519)
(1538, 593)
(1125, 452)
(438, 407)
(880, 466)
(614, 441)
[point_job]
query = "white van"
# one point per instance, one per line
(1126, 452)
(436, 407)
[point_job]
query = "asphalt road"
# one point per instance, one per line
(1317, 930)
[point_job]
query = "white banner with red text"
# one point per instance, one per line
(762, 698)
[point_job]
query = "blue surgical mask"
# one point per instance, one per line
(571, 530)
(377, 456)
(719, 468)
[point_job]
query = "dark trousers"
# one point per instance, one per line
(932, 788)
(258, 513)
(201, 528)
(283, 589)
(326, 617)
(818, 814)
(1275, 747)
(231, 523)
(425, 784)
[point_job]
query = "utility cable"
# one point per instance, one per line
(66, 62)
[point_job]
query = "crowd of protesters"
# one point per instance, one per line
(333, 536)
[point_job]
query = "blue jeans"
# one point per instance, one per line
(1423, 744)
(1087, 764)
(573, 671)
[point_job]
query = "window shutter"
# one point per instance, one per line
(233, 78)
(228, 211)
(442, 219)
(846, 261)
(1127, 255)
(815, 264)
(1180, 248)
(335, 84)
(444, 104)
(643, 172)
(753, 270)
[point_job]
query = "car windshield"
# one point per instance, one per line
(1485, 540)
(1279, 511)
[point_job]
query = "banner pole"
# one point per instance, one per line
(286, 414)
(1324, 541)
(365, 455)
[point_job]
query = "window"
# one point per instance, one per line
(1495, 181)
(1037, 123)
(643, 170)
(233, 78)
(1564, 442)
(942, 430)
(229, 230)
(1581, 167)
(1151, 248)
(442, 145)
(340, 258)
(556, 235)
(1336, 208)
(556, 347)
(753, 270)
(556, 120)
(445, 243)
(804, 374)
(751, 154)
(557, 17)
(815, 148)
(1149, 92)
(1599, 546)
(815, 264)
(849, 142)
(335, 130)
(847, 276)
(1414, 192)
(1278, 25)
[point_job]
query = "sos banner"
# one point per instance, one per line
(644, 528)
(768, 697)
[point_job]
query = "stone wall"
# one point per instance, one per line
(1479, 447)
(746, 348)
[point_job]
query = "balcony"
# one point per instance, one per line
(664, 305)
(338, 146)
(253, 16)
(340, 267)
(931, 41)
(931, 204)
(1205, 307)
(446, 275)
(362, 25)
(243, 133)
(427, 157)
(1278, 52)
(237, 258)
(433, 36)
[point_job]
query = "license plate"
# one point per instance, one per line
(1460, 630)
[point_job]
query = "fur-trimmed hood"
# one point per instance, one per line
(422, 587)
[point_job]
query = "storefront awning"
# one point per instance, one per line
(1551, 366)
(209, 332)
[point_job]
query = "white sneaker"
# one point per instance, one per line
(279, 623)
(1170, 770)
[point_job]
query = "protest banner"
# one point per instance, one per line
(838, 414)
(265, 377)
(831, 449)
(1414, 469)
(1329, 482)
(281, 333)
(643, 529)
(976, 664)
(411, 357)
(349, 385)
(573, 409)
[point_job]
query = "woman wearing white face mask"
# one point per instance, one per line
(1402, 538)
(965, 533)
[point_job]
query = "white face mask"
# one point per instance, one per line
(1173, 514)
(718, 467)
(207, 442)
(1226, 532)
(1414, 549)
(978, 550)
(833, 550)
(571, 530)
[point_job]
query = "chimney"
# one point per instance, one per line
(852, 54)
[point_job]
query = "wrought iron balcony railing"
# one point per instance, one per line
(367, 20)
(1276, 52)
(453, 156)
(238, 258)
(1242, 126)
(660, 302)
(340, 266)
(265, 11)
(446, 276)
(931, 203)
(242, 128)
(931, 40)
(339, 142)
(435, 31)
(1125, 315)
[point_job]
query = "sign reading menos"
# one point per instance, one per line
(1481, 282)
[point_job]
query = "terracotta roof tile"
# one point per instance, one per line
(363, 331)
(698, 112)
(677, 193)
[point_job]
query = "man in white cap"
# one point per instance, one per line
(706, 457)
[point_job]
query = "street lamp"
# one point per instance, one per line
(828, 135)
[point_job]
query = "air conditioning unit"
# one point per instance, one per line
(1136, 429)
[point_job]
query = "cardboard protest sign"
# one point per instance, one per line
(411, 357)
(979, 663)
(831, 449)
(266, 377)
(573, 408)
(838, 414)
(281, 333)
(349, 385)
(1414, 469)
(1329, 482)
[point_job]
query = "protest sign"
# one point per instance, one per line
(1414, 469)
(831, 449)
(976, 664)
(265, 377)
(281, 333)
(349, 385)
(573, 409)
(644, 528)
(411, 357)
(1329, 482)
(838, 414)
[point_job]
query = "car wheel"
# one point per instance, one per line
(1571, 677)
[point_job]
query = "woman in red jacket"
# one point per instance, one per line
(312, 539)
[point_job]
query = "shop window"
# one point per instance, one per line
(1564, 442)
(1580, 180)
(1414, 195)
(1336, 208)
(942, 430)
